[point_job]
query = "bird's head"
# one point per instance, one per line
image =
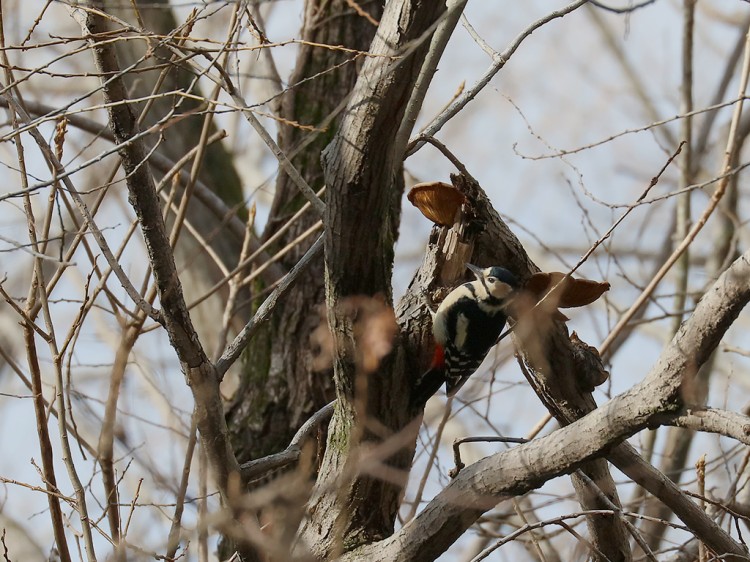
(497, 281)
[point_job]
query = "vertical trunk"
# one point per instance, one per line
(359, 489)
(280, 391)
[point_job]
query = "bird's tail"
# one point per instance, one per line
(453, 385)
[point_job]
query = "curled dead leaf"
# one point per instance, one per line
(568, 293)
(438, 201)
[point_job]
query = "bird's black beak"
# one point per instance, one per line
(477, 271)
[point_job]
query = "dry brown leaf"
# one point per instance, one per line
(572, 292)
(437, 201)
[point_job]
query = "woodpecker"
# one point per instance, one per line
(467, 325)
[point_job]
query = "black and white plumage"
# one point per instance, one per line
(468, 323)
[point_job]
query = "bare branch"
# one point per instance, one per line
(498, 63)
(480, 486)
(284, 161)
(83, 208)
(234, 349)
(729, 158)
(439, 40)
(165, 165)
(259, 467)
(199, 371)
(626, 10)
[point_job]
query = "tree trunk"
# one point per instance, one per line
(280, 391)
(355, 500)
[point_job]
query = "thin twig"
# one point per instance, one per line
(67, 453)
(438, 43)
(448, 154)
(284, 161)
(173, 540)
(202, 144)
(617, 512)
(269, 263)
(430, 460)
(25, 318)
(552, 291)
(361, 12)
(198, 369)
(538, 525)
(282, 252)
(729, 156)
(6, 557)
(632, 73)
(45, 444)
(499, 62)
(202, 506)
(682, 210)
(700, 468)
(234, 285)
(132, 508)
(27, 382)
(83, 208)
(258, 467)
(164, 164)
(234, 349)
(107, 433)
(626, 10)
(459, 465)
(709, 110)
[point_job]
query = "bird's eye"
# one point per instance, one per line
(491, 279)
